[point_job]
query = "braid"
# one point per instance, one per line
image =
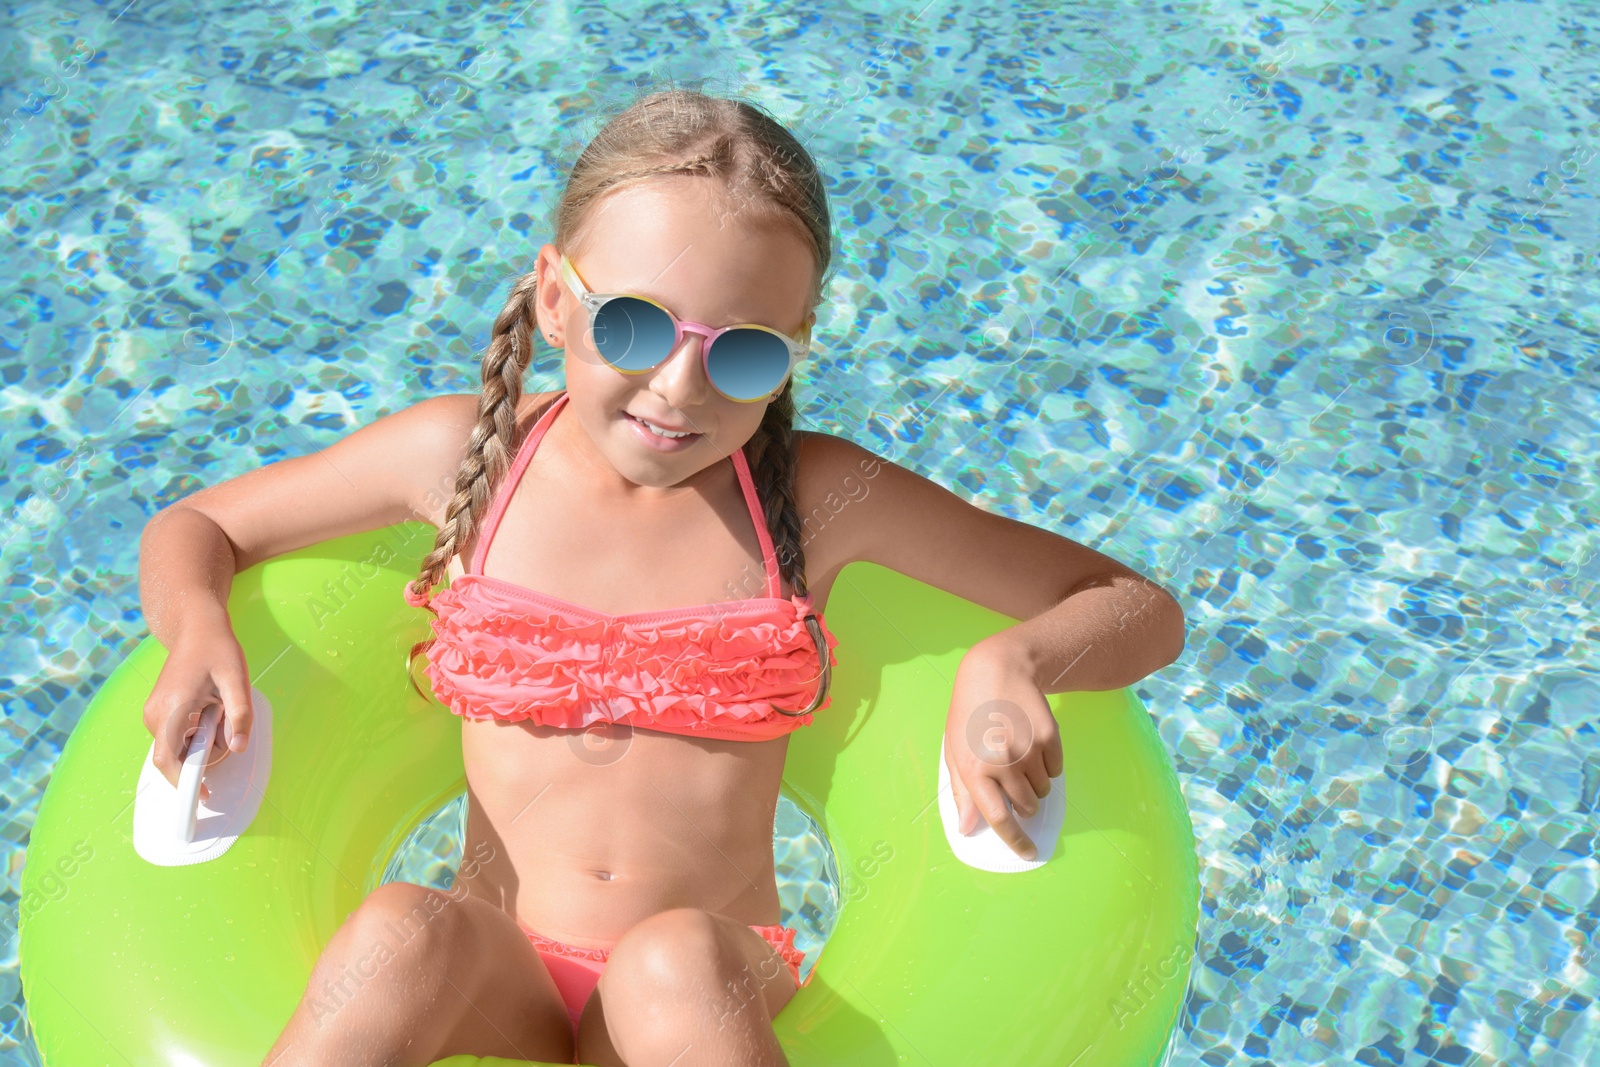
(703, 162)
(711, 162)
(771, 454)
(489, 449)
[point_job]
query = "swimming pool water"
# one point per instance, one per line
(1291, 307)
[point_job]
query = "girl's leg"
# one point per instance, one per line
(687, 987)
(417, 974)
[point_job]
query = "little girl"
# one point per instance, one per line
(624, 751)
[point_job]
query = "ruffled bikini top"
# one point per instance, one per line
(503, 651)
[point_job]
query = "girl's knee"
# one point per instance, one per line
(661, 986)
(392, 944)
(669, 950)
(682, 977)
(403, 920)
(668, 946)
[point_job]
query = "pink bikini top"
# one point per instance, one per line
(507, 652)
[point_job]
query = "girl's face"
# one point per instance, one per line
(681, 241)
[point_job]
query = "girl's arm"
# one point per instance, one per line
(400, 467)
(1087, 621)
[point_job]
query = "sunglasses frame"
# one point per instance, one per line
(593, 302)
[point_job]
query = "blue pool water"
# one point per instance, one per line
(1292, 307)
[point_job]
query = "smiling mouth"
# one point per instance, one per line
(661, 431)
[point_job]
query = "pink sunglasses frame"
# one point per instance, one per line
(593, 302)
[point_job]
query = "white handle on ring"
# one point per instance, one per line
(194, 766)
(172, 827)
(986, 850)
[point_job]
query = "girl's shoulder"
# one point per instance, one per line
(459, 411)
(828, 464)
(449, 421)
(831, 474)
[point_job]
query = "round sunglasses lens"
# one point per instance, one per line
(632, 335)
(746, 364)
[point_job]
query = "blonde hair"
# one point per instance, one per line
(666, 132)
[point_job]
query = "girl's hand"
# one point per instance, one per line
(1001, 743)
(203, 668)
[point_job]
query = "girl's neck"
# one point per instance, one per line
(594, 476)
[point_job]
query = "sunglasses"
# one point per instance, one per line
(634, 334)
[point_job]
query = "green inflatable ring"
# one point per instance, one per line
(1083, 961)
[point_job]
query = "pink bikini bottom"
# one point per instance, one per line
(577, 970)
